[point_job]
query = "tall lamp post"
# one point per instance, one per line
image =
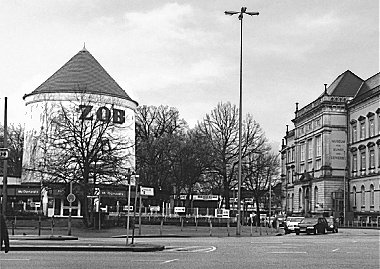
(241, 14)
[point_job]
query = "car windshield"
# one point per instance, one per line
(295, 219)
(309, 221)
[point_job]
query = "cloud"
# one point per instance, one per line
(164, 47)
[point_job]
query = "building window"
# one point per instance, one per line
(354, 161)
(363, 196)
(371, 126)
(302, 168)
(372, 195)
(362, 160)
(293, 154)
(318, 164)
(354, 195)
(362, 129)
(354, 133)
(371, 158)
(318, 142)
(288, 160)
(310, 148)
(289, 176)
(302, 152)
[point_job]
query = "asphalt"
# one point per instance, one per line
(114, 239)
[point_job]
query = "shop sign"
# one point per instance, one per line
(202, 197)
(179, 209)
(28, 192)
(102, 114)
(112, 193)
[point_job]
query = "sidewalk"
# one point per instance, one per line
(114, 239)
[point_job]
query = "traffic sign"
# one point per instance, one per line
(71, 197)
(146, 191)
(4, 153)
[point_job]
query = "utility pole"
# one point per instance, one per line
(5, 168)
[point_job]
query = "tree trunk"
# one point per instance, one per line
(258, 211)
(226, 195)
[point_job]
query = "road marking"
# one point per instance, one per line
(14, 259)
(288, 252)
(212, 249)
(335, 249)
(191, 249)
(169, 261)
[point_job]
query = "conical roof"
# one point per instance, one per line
(82, 74)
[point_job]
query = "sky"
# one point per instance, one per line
(185, 54)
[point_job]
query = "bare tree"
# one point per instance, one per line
(189, 163)
(260, 170)
(157, 130)
(87, 149)
(221, 129)
(15, 146)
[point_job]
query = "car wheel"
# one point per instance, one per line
(323, 230)
(297, 232)
(315, 231)
(336, 230)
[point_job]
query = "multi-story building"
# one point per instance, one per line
(364, 152)
(314, 152)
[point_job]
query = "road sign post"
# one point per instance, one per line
(70, 199)
(4, 153)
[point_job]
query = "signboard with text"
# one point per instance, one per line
(338, 150)
(145, 191)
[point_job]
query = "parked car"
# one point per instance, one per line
(291, 223)
(332, 225)
(312, 225)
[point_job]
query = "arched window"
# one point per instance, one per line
(316, 196)
(354, 195)
(372, 195)
(363, 196)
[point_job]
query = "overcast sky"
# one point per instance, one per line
(185, 54)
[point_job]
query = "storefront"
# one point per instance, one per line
(23, 199)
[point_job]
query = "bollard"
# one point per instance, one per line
(52, 225)
(210, 227)
(251, 228)
(228, 227)
(13, 227)
(196, 224)
(162, 224)
(39, 226)
(181, 224)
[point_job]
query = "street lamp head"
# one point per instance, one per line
(230, 12)
(243, 9)
(252, 13)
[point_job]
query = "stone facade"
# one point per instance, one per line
(316, 152)
(364, 153)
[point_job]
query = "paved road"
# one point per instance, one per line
(347, 249)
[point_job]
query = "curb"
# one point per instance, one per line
(95, 248)
(44, 237)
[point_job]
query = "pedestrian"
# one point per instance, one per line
(4, 235)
